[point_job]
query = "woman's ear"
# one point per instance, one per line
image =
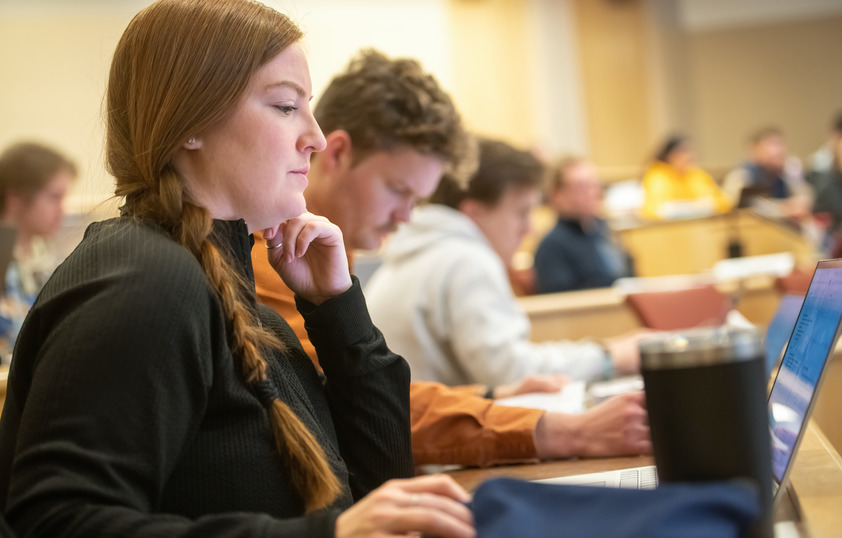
(193, 143)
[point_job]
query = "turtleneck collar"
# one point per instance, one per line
(233, 237)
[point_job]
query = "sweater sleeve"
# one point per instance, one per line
(657, 189)
(721, 201)
(367, 387)
(450, 425)
(110, 382)
(489, 334)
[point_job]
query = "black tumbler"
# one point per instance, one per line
(706, 398)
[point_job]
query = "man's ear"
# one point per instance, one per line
(471, 208)
(14, 204)
(338, 152)
(556, 199)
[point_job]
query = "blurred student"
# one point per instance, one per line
(829, 198)
(34, 180)
(579, 252)
(822, 160)
(381, 156)
(442, 296)
(676, 187)
(150, 394)
(770, 176)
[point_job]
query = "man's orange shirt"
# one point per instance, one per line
(450, 425)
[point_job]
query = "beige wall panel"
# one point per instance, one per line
(786, 74)
(491, 68)
(615, 63)
(54, 74)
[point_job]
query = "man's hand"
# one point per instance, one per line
(619, 426)
(532, 383)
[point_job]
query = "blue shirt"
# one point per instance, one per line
(572, 258)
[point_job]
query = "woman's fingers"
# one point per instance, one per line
(439, 484)
(431, 505)
(434, 521)
(300, 232)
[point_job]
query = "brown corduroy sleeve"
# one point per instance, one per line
(451, 426)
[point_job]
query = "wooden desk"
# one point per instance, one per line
(471, 478)
(603, 312)
(816, 479)
(694, 245)
(829, 405)
(598, 313)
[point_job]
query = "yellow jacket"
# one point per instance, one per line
(663, 183)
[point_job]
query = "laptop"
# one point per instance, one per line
(780, 329)
(793, 393)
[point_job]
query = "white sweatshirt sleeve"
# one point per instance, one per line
(490, 333)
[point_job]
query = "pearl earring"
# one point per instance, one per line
(191, 141)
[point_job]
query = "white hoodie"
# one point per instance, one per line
(443, 300)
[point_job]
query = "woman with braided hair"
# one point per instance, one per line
(150, 394)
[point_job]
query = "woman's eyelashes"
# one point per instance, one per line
(286, 110)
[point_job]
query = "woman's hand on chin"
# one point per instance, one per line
(310, 257)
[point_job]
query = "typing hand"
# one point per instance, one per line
(428, 504)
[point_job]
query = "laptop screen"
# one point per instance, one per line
(811, 343)
(780, 328)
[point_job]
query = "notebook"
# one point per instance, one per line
(793, 393)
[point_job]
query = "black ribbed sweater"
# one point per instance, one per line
(126, 415)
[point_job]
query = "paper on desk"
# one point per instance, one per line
(571, 399)
(780, 264)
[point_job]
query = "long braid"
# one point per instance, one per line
(191, 226)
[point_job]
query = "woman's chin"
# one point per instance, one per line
(277, 219)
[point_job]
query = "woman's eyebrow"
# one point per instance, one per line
(289, 84)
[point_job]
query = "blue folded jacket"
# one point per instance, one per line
(509, 508)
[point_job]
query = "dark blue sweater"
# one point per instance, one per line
(570, 258)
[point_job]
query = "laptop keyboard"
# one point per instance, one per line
(639, 478)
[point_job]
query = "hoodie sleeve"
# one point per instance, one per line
(490, 333)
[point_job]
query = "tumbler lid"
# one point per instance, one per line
(699, 347)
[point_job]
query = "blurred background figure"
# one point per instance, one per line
(33, 182)
(822, 160)
(675, 187)
(829, 200)
(579, 252)
(770, 176)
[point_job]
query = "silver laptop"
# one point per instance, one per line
(793, 393)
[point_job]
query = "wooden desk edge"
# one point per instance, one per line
(817, 480)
